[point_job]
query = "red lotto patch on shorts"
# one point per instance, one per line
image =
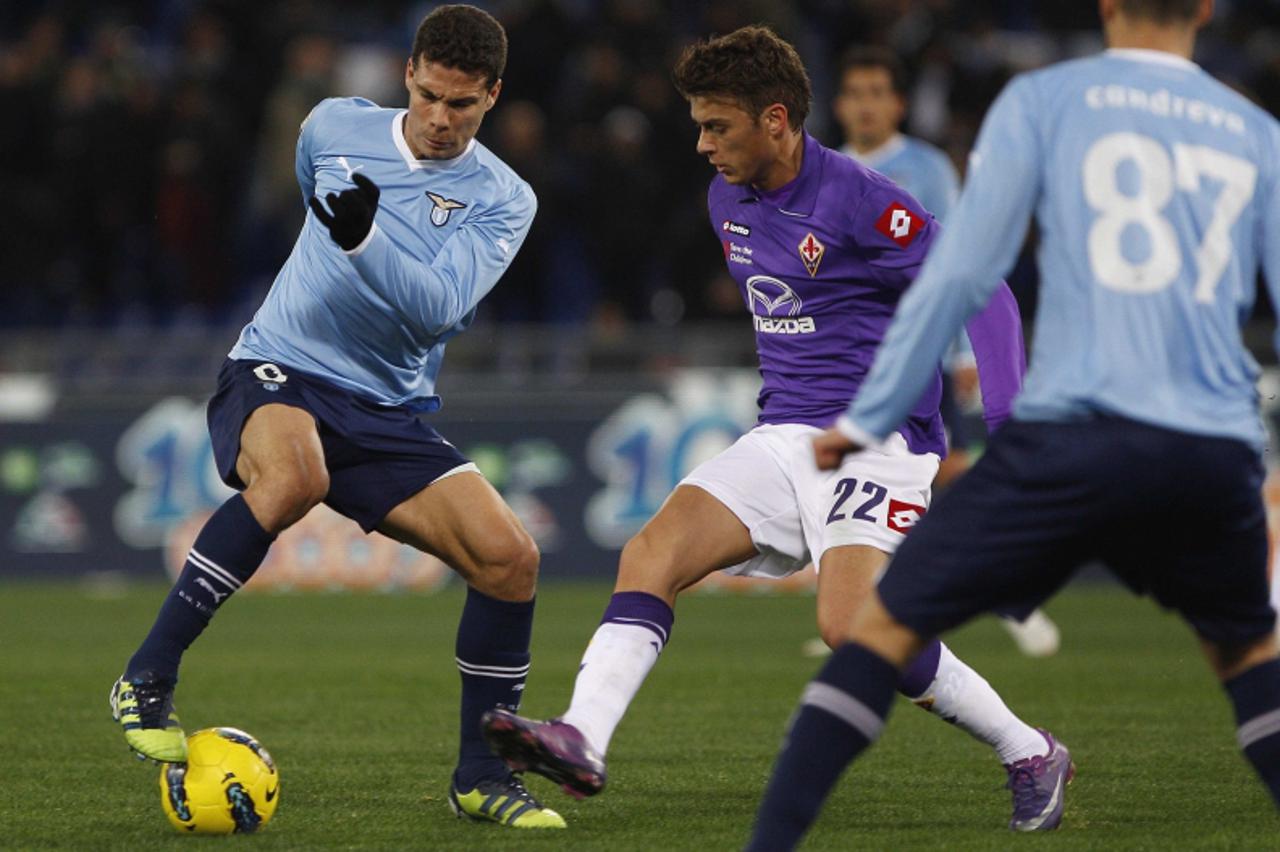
(903, 516)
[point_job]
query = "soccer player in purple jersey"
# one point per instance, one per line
(822, 249)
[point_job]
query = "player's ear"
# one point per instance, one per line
(491, 97)
(775, 119)
(408, 74)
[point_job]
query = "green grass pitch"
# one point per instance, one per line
(356, 698)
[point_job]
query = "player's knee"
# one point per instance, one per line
(508, 569)
(834, 632)
(281, 497)
(835, 615)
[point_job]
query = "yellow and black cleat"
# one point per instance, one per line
(504, 802)
(144, 708)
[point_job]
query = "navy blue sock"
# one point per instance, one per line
(1256, 696)
(493, 659)
(226, 553)
(840, 714)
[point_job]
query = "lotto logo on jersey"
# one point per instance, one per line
(903, 516)
(732, 227)
(900, 224)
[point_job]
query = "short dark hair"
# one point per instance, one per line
(874, 56)
(465, 38)
(1161, 11)
(752, 66)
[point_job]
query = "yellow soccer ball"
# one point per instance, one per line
(229, 784)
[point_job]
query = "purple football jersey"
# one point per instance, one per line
(821, 263)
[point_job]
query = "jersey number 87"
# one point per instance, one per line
(1160, 176)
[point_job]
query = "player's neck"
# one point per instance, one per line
(785, 166)
(869, 147)
(1144, 35)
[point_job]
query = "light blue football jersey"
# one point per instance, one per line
(1155, 189)
(375, 320)
(921, 169)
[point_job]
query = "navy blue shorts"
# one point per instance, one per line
(1176, 516)
(377, 456)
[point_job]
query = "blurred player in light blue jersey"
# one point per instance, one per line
(412, 222)
(870, 106)
(1136, 440)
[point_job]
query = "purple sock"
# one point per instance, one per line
(643, 610)
(917, 677)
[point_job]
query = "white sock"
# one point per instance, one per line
(963, 697)
(614, 665)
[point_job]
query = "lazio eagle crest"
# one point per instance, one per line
(442, 207)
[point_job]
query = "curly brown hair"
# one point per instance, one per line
(751, 66)
(465, 38)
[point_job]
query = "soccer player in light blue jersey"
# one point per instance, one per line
(1137, 439)
(870, 106)
(412, 222)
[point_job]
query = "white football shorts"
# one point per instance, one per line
(795, 512)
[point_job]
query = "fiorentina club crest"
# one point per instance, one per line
(899, 224)
(811, 252)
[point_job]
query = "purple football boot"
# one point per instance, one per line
(1039, 786)
(553, 749)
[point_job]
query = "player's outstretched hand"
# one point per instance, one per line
(830, 448)
(353, 210)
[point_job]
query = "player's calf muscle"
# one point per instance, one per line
(647, 566)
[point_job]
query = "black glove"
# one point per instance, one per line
(353, 211)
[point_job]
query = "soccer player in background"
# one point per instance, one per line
(822, 249)
(870, 106)
(1137, 439)
(318, 400)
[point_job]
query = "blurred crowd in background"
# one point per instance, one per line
(146, 146)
